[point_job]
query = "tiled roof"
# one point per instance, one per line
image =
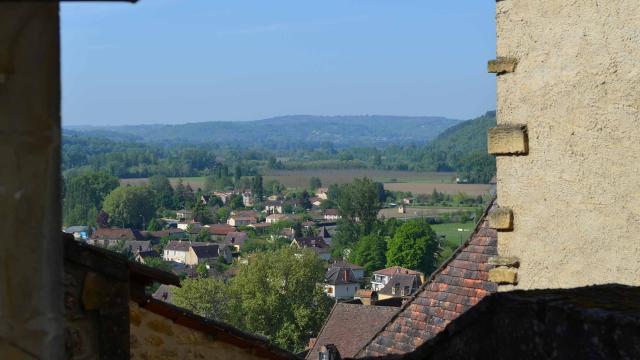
(115, 234)
(331, 212)
(350, 326)
(236, 238)
(396, 270)
(246, 213)
(220, 229)
(311, 242)
(365, 293)
(456, 286)
(400, 281)
(163, 233)
(342, 263)
(205, 251)
(148, 254)
(182, 245)
(340, 275)
(136, 246)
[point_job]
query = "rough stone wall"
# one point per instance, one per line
(96, 304)
(156, 337)
(31, 310)
(576, 87)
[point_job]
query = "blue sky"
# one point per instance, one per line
(177, 61)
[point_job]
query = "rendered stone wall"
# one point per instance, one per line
(576, 195)
(156, 337)
(31, 261)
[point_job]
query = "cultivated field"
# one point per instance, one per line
(300, 178)
(195, 182)
(427, 188)
(417, 183)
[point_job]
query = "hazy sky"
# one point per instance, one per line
(176, 61)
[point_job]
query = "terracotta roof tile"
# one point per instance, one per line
(460, 283)
(350, 326)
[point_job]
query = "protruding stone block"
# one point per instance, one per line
(502, 65)
(503, 275)
(509, 261)
(508, 140)
(501, 219)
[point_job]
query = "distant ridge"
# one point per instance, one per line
(283, 131)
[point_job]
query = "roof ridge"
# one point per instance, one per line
(433, 275)
(335, 304)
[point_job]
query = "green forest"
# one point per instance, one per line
(460, 148)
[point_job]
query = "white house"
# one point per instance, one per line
(273, 207)
(184, 214)
(340, 283)
(177, 250)
(247, 199)
(381, 277)
(357, 270)
(241, 220)
(274, 218)
(184, 225)
(331, 215)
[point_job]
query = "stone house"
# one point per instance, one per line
(206, 254)
(109, 314)
(241, 220)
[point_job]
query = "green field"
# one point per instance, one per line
(453, 236)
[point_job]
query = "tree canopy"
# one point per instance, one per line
(414, 246)
(129, 206)
(276, 294)
(83, 195)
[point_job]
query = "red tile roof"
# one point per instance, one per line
(396, 270)
(460, 283)
(350, 326)
(116, 234)
(220, 229)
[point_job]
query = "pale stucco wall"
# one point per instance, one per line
(156, 337)
(576, 195)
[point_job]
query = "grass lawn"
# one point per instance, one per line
(453, 236)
